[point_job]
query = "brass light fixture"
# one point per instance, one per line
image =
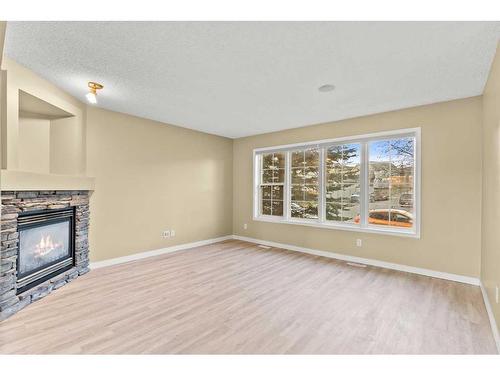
(92, 95)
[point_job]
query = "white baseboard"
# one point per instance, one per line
(371, 262)
(152, 253)
(493, 322)
(328, 254)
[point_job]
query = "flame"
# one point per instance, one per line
(46, 246)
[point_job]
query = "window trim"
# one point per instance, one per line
(364, 172)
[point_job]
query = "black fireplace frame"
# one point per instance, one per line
(39, 218)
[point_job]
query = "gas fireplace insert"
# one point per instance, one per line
(46, 246)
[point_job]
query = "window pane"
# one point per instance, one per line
(273, 161)
(311, 157)
(279, 159)
(272, 183)
(334, 211)
(296, 210)
(305, 183)
(270, 176)
(305, 210)
(277, 193)
(311, 175)
(298, 175)
(267, 176)
(297, 159)
(279, 176)
(266, 207)
(350, 203)
(267, 161)
(342, 183)
(311, 192)
(311, 210)
(333, 194)
(277, 208)
(297, 193)
(391, 173)
(350, 213)
(334, 176)
(265, 192)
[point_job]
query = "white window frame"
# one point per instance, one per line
(321, 222)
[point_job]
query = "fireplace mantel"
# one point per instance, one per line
(12, 180)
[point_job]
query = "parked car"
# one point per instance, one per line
(406, 200)
(398, 218)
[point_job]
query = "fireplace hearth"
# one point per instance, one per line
(44, 244)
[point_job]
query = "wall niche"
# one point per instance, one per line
(49, 137)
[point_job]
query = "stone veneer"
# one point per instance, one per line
(14, 202)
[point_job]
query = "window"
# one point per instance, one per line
(342, 193)
(391, 165)
(365, 183)
(272, 184)
(305, 183)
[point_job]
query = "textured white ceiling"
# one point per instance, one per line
(243, 78)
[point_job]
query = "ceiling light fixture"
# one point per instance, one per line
(92, 95)
(326, 88)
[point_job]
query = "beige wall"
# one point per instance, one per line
(451, 189)
(490, 254)
(34, 145)
(67, 146)
(151, 177)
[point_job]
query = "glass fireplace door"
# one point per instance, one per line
(43, 245)
(46, 245)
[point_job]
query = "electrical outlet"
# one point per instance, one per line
(166, 234)
(359, 242)
(245, 226)
(496, 293)
(172, 232)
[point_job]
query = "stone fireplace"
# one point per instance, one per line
(44, 244)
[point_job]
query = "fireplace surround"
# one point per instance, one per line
(44, 244)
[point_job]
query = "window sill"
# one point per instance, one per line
(347, 227)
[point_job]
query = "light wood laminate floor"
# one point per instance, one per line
(234, 297)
